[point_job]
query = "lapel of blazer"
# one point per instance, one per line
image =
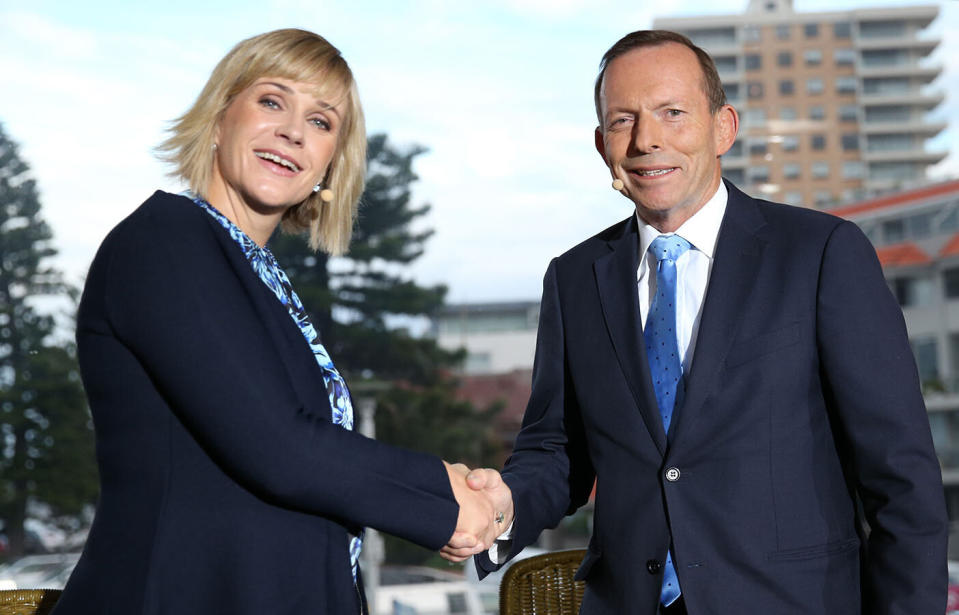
(306, 378)
(737, 259)
(616, 279)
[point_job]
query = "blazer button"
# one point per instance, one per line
(653, 566)
(672, 475)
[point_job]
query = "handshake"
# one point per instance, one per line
(486, 511)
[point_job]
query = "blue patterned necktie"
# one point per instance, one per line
(665, 366)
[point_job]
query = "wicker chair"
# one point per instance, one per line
(543, 585)
(28, 601)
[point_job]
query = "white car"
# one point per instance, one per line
(38, 571)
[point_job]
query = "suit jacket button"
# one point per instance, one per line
(672, 475)
(653, 566)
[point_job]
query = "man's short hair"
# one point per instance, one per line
(712, 85)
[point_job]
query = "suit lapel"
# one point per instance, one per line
(616, 280)
(306, 377)
(738, 256)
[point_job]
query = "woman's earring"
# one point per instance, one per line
(326, 195)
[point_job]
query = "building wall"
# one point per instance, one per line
(832, 104)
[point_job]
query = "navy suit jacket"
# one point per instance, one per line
(225, 487)
(802, 422)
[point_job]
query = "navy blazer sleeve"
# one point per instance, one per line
(873, 391)
(166, 290)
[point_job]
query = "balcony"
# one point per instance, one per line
(914, 154)
(917, 127)
(922, 45)
(924, 74)
(927, 101)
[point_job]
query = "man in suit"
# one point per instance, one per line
(736, 377)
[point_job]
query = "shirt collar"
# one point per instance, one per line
(701, 230)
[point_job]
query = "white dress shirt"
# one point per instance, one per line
(692, 270)
(692, 275)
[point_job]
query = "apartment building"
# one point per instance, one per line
(833, 105)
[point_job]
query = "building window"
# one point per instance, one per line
(793, 197)
(759, 174)
(752, 34)
(735, 175)
(817, 112)
(754, 116)
(845, 56)
(848, 113)
(754, 89)
(754, 61)
(757, 148)
(784, 58)
(853, 169)
(814, 85)
(811, 30)
(788, 113)
(842, 29)
(927, 360)
(725, 64)
(823, 198)
(813, 57)
(736, 150)
(782, 32)
(790, 143)
(732, 91)
(818, 142)
(820, 169)
(791, 170)
(786, 87)
(919, 226)
(850, 141)
(893, 231)
(846, 85)
(950, 280)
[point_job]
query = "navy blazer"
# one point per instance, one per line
(802, 422)
(225, 487)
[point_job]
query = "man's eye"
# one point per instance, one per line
(673, 112)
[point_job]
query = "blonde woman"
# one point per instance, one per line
(231, 478)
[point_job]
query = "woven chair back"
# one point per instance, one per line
(28, 601)
(543, 585)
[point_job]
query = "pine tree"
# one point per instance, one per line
(367, 288)
(46, 452)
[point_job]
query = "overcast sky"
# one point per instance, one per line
(500, 91)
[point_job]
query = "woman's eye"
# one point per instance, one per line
(269, 103)
(320, 123)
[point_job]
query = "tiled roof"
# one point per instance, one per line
(902, 254)
(894, 200)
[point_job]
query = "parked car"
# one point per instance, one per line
(33, 541)
(425, 591)
(38, 571)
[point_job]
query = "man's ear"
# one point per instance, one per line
(600, 144)
(727, 127)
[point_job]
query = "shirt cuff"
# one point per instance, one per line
(505, 542)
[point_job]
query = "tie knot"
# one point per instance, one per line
(669, 247)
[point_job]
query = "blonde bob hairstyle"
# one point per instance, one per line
(300, 56)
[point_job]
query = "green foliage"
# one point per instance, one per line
(369, 287)
(46, 451)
